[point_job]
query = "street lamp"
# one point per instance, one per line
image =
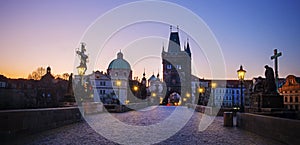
(201, 90)
(118, 83)
(201, 99)
(153, 94)
(213, 86)
(188, 95)
(81, 70)
(135, 88)
(241, 76)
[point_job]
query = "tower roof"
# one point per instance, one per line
(174, 42)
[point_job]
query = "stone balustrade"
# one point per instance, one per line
(14, 123)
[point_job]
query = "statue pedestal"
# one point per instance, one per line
(264, 102)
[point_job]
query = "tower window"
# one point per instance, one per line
(169, 66)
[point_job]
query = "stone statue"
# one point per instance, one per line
(270, 85)
(258, 85)
(83, 57)
(70, 87)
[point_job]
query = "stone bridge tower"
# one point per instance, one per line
(177, 67)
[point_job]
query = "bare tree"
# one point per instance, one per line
(41, 71)
(29, 77)
(65, 76)
(58, 76)
(37, 74)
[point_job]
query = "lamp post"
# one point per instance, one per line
(135, 89)
(118, 83)
(81, 71)
(213, 86)
(241, 76)
(201, 99)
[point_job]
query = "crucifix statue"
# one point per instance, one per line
(275, 57)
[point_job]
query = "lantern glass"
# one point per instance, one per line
(241, 73)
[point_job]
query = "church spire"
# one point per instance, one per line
(144, 78)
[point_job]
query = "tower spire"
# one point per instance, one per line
(188, 50)
(174, 42)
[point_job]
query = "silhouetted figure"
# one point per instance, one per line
(270, 85)
(70, 87)
(258, 85)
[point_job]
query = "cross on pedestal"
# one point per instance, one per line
(275, 57)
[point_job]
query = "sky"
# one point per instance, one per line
(45, 33)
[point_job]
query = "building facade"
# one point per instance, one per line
(102, 87)
(291, 92)
(120, 73)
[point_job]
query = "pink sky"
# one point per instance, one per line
(35, 34)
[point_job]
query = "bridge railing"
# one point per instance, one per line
(15, 123)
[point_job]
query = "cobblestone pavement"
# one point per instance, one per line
(81, 133)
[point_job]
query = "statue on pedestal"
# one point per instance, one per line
(270, 85)
(265, 95)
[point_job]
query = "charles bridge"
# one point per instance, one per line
(67, 126)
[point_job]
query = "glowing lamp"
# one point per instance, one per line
(81, 70)
(241, 73)
(201, 90)
(135, 88)
(118, 83)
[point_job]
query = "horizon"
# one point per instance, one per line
(41, 34)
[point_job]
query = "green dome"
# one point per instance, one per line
(119, 63)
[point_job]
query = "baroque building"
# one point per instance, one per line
(120, 73)
(291, 92)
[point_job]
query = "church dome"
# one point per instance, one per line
(152, 78)
(119, 63)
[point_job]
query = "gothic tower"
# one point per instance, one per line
(177, 67)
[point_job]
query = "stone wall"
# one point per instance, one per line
(210, 110)
(281, 129)
(16, 123)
